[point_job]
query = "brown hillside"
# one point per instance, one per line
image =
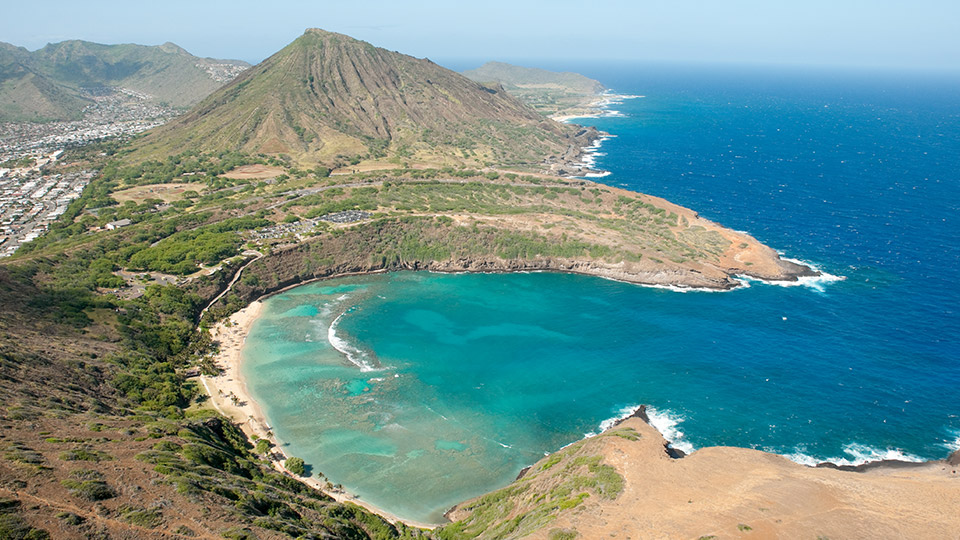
(625, 484)
(328, 96)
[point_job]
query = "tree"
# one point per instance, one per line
(263, 446)
(296, 466)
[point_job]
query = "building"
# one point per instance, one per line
(117, 224)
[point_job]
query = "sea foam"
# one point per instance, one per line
(665, 421)
(591, 153)
(953, 446)
(353, 354)
(816, 283)
(623, 413)
(856, 454)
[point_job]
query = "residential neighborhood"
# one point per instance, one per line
(30, 201)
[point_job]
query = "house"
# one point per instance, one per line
(117, 224)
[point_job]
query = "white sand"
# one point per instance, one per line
(247, 414)
(595, 108)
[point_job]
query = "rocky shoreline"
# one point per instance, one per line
(721, 492)
(347, 254)
(573, 161)
(953, 460)
(634, 273)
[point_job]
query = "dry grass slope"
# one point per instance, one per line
(330, 99)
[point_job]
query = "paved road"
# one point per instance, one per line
(232, 281)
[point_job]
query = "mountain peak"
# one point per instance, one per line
(172, 47)
(322, 32)
(329, 97)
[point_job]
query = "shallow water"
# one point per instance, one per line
(434, 388)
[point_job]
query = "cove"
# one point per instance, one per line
(417, 391)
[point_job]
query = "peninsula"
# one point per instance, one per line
(628, 482)
(335, 157)
(559, 95)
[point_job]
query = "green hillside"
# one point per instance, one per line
(107, 431)
(549, 92)
(26, 95)
(48, 84)
(330, 99)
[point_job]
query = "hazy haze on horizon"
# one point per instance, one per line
(873, 34)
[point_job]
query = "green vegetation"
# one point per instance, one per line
(549, 92)
(13, 527)
(561, 481)
(86, 453)
(111, 319)
(25, 161)
(457, 121)
(181, 253)
(215, 458)
(296, 466)
(551, 460)
(18, 452)
(88, 485)
(629, 434)
(47, 84)
(141, 517)
(262, 447)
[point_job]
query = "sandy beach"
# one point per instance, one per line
(593, 109)
(232, 333)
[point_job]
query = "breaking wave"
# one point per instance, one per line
(665, 421)
(354, 355)
(856, 454)
(816, 283)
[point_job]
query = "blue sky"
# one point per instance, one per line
(867, 33)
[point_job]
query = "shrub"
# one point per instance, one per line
(141, 517)
(69, 518)
(263, 446)
(563, 534)
(90, 490)
(85, 454)
(296, 466)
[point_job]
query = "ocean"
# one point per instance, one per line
(417, 390)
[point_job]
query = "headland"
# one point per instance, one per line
(626, 481)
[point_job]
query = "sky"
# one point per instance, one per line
(919, 34)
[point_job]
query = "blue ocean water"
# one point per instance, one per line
(419, 390)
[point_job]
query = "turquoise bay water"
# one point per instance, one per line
(434, 388)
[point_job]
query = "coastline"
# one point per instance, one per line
(725, 492)
(231, 334)
(247, 413)
(595, 108)
(252, 420)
